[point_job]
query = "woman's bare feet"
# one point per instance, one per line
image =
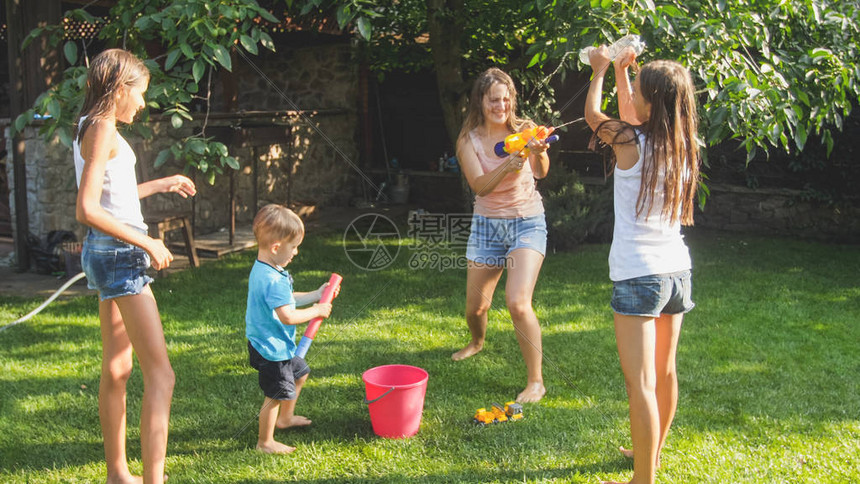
(294, 421)
(466, 352)
(629, 454)
(533, 393)
(274, 447)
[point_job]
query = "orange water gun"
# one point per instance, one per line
(518, 142)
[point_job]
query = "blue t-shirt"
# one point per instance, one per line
(269, 288)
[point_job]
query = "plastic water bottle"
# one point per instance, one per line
(629, 40)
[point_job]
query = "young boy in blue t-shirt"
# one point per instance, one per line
(271, 319)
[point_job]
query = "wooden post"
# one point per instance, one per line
(30, 73)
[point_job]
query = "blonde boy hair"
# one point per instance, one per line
(275, 223)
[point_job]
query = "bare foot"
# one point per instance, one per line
(629, 454)
(128, 479)
(466, 352)
(533, 393)
(274, 447)
(296, 421)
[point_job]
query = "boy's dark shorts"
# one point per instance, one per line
(278, 378)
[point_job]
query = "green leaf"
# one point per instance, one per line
(219, 148)
(751, 152)
(231, 162)
(538, 57)
(70, 50)
(604, 4)
(65, 135)
(162, 157)
(266, 41)
(198, 69)
(172, 57)
(267, 15)
(248, 43)
(55, 109)
(197, 146)
(828, 141)
(33, 35)
(222, 56)
(176, 121)
(364, 27)
(186, 49)
(343, 16)
(669, 10)
(23, 119)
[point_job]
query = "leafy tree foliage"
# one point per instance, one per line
(772, 72)
(188, 39)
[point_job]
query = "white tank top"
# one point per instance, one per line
(646, 245)
(119, 188)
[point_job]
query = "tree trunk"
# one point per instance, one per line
(30, 73)
(444, 21)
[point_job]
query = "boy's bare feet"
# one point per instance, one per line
(295, 421)
(466, 352)
(274, 447)
(533, 393)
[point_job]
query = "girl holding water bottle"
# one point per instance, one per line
(656, 174)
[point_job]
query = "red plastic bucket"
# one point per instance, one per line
(395, 399)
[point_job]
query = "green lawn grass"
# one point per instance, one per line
(769, 363)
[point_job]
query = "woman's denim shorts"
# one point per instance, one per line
(492, 239)
(653, 295)
(113, 267)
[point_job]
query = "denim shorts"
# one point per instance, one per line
(653, 295)
(278, 378)
(113, 268)
(493, 239)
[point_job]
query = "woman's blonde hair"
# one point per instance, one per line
(108, 72)
(274, 223)
(482, 85)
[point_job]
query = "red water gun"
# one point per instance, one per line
(314, 324)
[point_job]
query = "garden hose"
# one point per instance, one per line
(36, 311)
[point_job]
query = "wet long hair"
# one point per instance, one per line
(108, 72)
(671, 140)
(475, 111)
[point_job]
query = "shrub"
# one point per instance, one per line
(575, 213)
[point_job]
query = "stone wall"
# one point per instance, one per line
(301, 165)
(770, 211)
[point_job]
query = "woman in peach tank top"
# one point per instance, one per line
(508, 224)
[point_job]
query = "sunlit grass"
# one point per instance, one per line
(768, 363)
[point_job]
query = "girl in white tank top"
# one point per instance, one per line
(656, 176)
(116, 253)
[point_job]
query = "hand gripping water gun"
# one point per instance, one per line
(518, 142)
(314, 324)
